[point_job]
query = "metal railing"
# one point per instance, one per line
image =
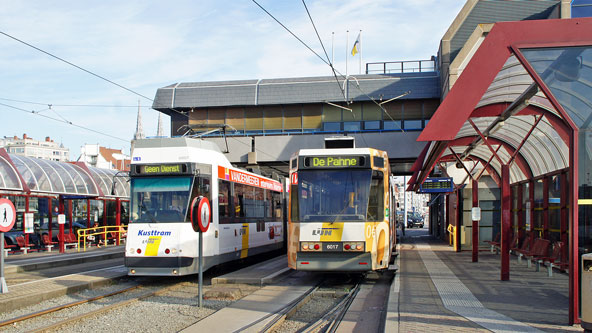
(101, 235)
(397, 67)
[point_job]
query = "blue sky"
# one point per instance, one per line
(145, 45)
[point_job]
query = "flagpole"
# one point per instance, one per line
(346, 51)
(360, 46)
(332, 48)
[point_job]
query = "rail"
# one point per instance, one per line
(105, 233)
(398, 67)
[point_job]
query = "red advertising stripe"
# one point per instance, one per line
(241, 177)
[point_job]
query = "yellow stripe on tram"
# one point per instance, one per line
(584, 201)
(152, 246)
(332, 232)
(245, 241)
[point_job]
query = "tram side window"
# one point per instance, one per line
(249, 202)
(277, 205)
(239, 200)
(224, 197)
(376, 200)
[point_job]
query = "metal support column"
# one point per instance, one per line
(505, 227)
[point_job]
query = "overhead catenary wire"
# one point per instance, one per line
(73, 105)
(331, 65)
(86, 70)
(37, 113)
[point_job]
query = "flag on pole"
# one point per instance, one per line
(356, 48)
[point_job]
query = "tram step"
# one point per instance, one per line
(393, 267)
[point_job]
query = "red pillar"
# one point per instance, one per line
(88, 225)
(61, 238)
(118, 215)
(506, 221)
(50, 218)
(475, 231)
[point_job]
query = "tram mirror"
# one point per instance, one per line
(351, 199)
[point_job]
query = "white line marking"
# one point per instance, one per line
(460, 300)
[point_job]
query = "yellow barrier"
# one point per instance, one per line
(103, 232)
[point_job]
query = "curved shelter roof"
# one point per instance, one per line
(519, 106)
(26, 174)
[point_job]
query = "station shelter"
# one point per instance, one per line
(521, 113)
(41, 190)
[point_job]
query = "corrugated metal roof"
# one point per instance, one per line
(296, 90)
(491, 11)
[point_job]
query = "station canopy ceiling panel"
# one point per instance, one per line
(54, 177)
(106, 179)
(517, 101)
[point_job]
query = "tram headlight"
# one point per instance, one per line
(132, 271)
(173, 251)
(360, 246)
(175, 272)
(132, 250)
(305, 246)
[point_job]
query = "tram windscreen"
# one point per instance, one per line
(332, 196)
(160, 199)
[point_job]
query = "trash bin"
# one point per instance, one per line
(587, 292)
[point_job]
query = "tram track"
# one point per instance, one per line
(331, 317)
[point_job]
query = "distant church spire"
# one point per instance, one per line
(160, 130)
(139, 131)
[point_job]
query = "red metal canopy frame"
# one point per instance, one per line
(506, 39)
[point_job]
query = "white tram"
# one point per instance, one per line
(166, 175)
(340, 216)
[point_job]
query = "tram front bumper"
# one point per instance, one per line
(330, 262)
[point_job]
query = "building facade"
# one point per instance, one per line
(27, 146)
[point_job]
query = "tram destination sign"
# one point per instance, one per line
(331, 162)
(161, 169)
(437, 185)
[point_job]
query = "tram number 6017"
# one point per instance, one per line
(370, 231)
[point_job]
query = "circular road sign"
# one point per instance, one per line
(7, 215)
(200, 214)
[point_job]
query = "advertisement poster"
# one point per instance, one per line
(29, 217)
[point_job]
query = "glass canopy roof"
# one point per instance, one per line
(52, 177)
(9, 179)
(105, 178)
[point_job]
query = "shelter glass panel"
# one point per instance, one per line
(311, 116)
(555, 208)
(526, 206)
(538, 206)
(293, 117)
(8, 176)
(235, 117)
(272, 118)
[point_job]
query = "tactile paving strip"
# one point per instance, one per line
(457, 298)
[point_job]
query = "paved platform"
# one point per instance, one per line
(439, 290)
(253, 312)
(26, 285)
(265, 272)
